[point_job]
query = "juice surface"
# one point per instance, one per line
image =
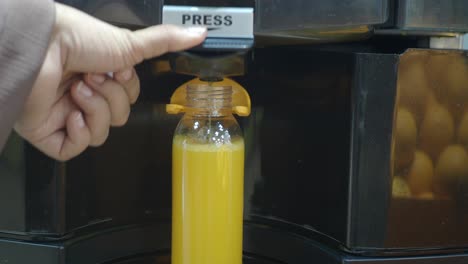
(207, 203)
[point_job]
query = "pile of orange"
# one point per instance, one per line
(430, 135)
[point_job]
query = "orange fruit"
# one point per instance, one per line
(452, 166)
(413, 88)
(437, 130)
(421, 174)
(400, 188)
(405, 138)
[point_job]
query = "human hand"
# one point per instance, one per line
(74, 102)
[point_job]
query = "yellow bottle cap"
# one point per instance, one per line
(240, 98)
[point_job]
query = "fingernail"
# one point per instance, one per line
(195, 31)
(97, 78)
(80, 121)
(126, 75)
(84, 90)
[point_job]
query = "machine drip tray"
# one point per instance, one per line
(150, 244)
(164, 258)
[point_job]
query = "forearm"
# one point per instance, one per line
(25, 30)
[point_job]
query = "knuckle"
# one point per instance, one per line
(135, 91)
(66, 154)
(100, 139)
(100, 133)
(121, 120)
(135, 51)
(168, 37)
(62, 157)
(134, 97)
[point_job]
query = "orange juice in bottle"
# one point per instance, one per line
(208, 179)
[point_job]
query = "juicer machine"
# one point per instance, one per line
(344, 159)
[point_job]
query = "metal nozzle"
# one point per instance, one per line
(210, 67)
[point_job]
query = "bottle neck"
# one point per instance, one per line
(208, 100)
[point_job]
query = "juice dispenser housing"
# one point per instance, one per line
(39, 195)
(324, 190)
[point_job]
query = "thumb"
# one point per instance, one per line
(91, 45)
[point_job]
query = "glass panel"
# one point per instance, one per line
(434, 15)
(430, 158)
